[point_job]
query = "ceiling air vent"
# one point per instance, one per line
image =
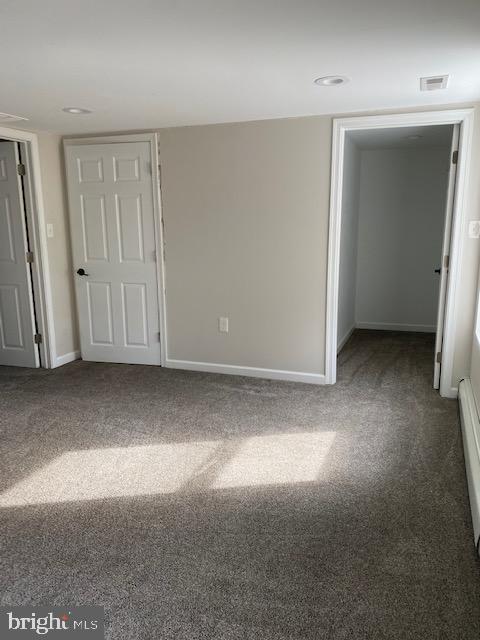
(8, 117)
(433, 83)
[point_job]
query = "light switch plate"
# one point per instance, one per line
(474, 229)
(49, 230)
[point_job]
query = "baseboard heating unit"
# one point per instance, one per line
(471, 446)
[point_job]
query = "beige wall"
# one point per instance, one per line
(59, 252)
(246, 213)
(464, 352)
(475, 371)
(473, 343)
(246, 216)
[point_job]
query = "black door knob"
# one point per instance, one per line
(437, 270)
(82, 272)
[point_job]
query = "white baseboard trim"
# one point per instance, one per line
(255, 372)
(65, 359)
(471, 446)
(345, 338)
(387, 326)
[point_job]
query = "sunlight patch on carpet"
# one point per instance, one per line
(94, 474)
(278, 459)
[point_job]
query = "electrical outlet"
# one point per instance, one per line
(223, 325)
(474, 229)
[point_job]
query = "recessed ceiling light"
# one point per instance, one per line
(76, 110)
(331, 81)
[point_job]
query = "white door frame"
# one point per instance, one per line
(152, 139)
(37, 232)
(463, 117)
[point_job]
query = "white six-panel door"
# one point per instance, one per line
(113, 242)
(17, 325)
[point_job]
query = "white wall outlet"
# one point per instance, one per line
(49, 230)
(223, 324)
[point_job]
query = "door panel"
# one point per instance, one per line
(135, 314)
(10, 313)
(100, 312)
(7, 247)
(17, 326)
(90, 170)
(129, 225)
(126, 169)
(113, 239)
(447, 232)
(94, 228)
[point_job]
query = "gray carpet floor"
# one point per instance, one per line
(357, 526)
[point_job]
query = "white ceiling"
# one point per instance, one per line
(400, 137)
(153, 63)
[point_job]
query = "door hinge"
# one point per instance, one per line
(21, 169)
(446, 261)
(439, 357)
(158, 336)
(37, 338)
(29, 256)
(455, 157)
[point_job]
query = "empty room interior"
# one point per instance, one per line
(239, 320)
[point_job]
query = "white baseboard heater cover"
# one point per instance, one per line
(471, 446)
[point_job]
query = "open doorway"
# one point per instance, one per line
(397, 231)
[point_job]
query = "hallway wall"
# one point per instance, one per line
(400, 230)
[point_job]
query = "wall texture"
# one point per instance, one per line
(401, 221)
(246, 216)
(347, 284)
(59, 251)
